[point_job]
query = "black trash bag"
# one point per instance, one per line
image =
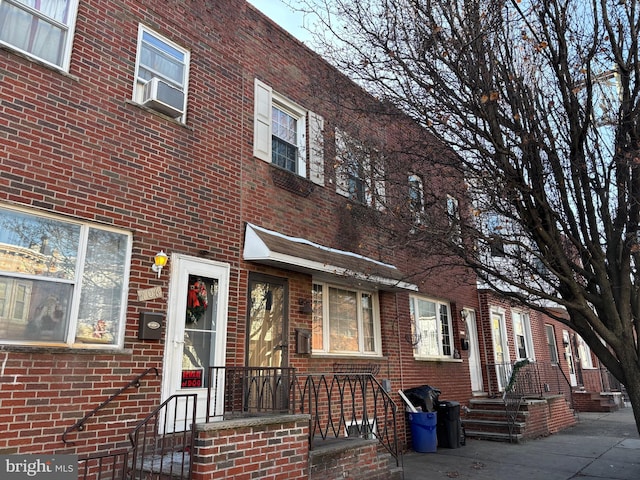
(423, 397)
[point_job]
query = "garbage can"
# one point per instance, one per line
(423, 431)
(449, 429)
(423, 397)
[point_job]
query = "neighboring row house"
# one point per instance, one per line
(188, 280)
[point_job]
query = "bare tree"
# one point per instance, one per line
(540, 101)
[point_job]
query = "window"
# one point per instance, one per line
(280, 134)
(496, 241)
(345, 321)
(416, 198)
(584, 353)
(522, 332)
(453, 214)
(61, 282)
(359, 172)
(162, 73)
(551, 343)
(431, 321)
(42, 29)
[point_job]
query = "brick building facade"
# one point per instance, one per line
(204, 131)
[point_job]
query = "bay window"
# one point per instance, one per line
(62, 282)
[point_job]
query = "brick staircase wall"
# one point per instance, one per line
(353, 460)
(585, 401)
(268, 448)
(487, 419)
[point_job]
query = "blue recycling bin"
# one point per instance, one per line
(423, 431)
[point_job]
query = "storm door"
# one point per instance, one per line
(196, 328)
(266, 386)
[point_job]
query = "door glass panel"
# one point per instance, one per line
(200, 331)
(266, 344)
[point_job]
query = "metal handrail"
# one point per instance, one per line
(343, 405)
(79, 425)
(161, 446)
(339, 404)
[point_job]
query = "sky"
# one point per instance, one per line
(283, 16)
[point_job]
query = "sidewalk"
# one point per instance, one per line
(601, 446)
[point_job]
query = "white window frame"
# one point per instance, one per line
(584, 353)
(180, 84)
(370, 168)
(418, 332)
(522, 322)
(550, 333)
(74, 331)
(265, 99)
(323, 310)
(67, 26)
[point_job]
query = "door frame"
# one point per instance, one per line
(181, 267)
(475, 366)
(503, 369)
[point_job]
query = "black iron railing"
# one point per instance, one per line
(249, 391)
(161, 446)
(530, 379)
(79, 425)
(526, 379)
(340, 404)
(348, 405)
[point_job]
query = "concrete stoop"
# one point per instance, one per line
(487, 419)
(597, 401)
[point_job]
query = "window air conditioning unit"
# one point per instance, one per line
(163, 98)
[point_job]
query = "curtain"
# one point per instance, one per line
(36, 34)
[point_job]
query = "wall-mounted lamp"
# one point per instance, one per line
(305, 306)
(159, 261)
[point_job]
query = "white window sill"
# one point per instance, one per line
(349, 356)
(437, 359)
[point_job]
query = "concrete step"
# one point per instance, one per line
(494, 436)
(493, 426)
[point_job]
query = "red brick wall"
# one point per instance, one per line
(348, 464)
(74, 144)
(248, 449)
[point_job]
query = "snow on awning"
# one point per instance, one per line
(298, 254)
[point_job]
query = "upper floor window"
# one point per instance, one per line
(416, 198)
(431, 321)
(162, 73)
(345, 321)
(280, 134)
(359, 171)
(61, 281)
(453, 214)
(42, 29)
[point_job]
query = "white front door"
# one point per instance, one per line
(196, 327)
(568, 354)
(500, 348)
(475, 367)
